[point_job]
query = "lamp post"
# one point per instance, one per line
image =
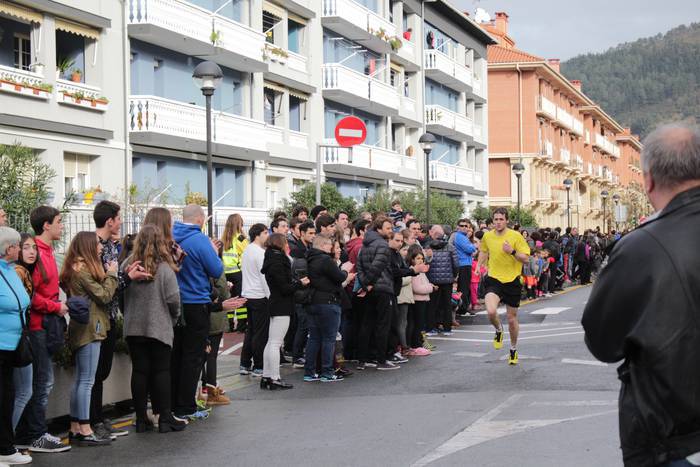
(568, 184)
(518, 170)
(604, 196)
(426, 142)
(207, 76)
(616, 199)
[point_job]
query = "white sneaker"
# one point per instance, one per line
(15, 459)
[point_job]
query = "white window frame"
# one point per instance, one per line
(22, 37)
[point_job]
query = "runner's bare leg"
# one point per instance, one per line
(492, 300)
(513, 325)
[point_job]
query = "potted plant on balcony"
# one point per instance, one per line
(77, 75)
(215, 37)
(38, 68)
(62, 66)
(77, 96)
(395, 43)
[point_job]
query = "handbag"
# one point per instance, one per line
(23, 353)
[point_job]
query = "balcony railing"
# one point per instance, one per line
(351, 19)
(603, 143)
(577, 126)
(547, 149)
(291, 60)
(285, 137)
(81, 95)
(371, 157)
(25, 83)
(565, 156)
(544, 191)
(479, 134)
(587, 137)
(449, 173)
(407, 52)
(408, 109)
(565, 118)
(189, 29)
(356, 89)
(546, 107)
(177, 119)
(446, 70)
(445, 122)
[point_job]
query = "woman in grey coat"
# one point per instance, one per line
(151, 309)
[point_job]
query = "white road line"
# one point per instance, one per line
(521, 332)
(522, 357)
(583, 362)
(550, 311)
(457, 339)
(594, 403)
(501, 310)
(230, 350)
(551, 335)
(469, 354)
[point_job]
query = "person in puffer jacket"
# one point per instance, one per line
(444, 267)
(377, 281)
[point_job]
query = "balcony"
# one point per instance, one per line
(287, 144)
(409, 113)
(407, 55)
(450, 176)
(287, 67)
(577, 163)
(587, 137)
(564, 156)
(477, 87)
(546, 108)
(446, 70)
(369, 161)
(355, 89)
(186, 28)
(547, 150)
(358, 23)
(565, 119)
(24, 83)
(577, 127)
(155, 121)
(543, 192)
(479, 135)
(442, 121)
(81, 95)
(602, 143)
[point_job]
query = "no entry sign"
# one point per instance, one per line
(350, 131)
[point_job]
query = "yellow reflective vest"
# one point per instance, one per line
(232, 256)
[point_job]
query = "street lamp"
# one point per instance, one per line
(616, 199)
(604, 197)
(518, 170)
(207, 76)
(426, 142)
(568, 184)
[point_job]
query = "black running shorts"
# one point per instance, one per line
(509, 292)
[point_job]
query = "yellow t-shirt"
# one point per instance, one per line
(502, 266)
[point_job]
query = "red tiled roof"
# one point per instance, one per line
(500, 54)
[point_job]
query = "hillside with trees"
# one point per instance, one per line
(646, 82)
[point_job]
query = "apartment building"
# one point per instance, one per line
(541, 119)
(63, 90)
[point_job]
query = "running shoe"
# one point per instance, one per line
(387, 366)
(432, 333)
(257, 373)
(312, 378)
(371, 364)
(513, 358)
(48, 443)
(242, 370)
(361, 366)
(198, 415)
(498, 340)
(332, 378)
(447, 333)
(299, 363)
(398, 359)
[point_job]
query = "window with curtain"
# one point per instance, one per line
(273, 103)
(22, 48)
(295, 105)
(294, 36)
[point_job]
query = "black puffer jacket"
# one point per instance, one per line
(374, 263)
(444, 265)
(645, 309)
(326, 277)
(277, 268)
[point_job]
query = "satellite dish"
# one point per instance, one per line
(481, 16)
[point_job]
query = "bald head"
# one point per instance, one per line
(671, 155)
(437, 232)
(193, 214)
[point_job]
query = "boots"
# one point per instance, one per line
(216, 396)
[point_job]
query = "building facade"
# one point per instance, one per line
(541, 119)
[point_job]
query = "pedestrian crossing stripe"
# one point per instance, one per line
(550, 311)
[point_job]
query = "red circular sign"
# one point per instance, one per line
(350, 131)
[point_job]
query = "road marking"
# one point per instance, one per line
(461, 339)
(469, 354)
(550, 311)
(485, 429)
(611, 402)
(521, 332)
(583, 362)
(522, 357)
(501, 310)
(232, 349)
(551, 335)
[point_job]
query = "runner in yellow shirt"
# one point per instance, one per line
(505, 251)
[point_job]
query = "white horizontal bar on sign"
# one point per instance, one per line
(550, 311)
(350, 133)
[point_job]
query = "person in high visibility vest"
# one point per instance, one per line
(235, 242)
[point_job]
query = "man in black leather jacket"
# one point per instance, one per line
(645, 309)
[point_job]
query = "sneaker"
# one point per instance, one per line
(299, 363)
(397, 359)
(432, 333)
(387, 366)
(344, 372)
(332, 378)
(498, 340)
(198, 415)
(243, 370)
(48, 443)
(284, 360)
(102, 432)
(361, 366)
(16, 459)
(513, 358)
(93, 439)
(371, 364)
(312, 378)
(201, 405)
(447, 333)
(115, 431)
(257, 373)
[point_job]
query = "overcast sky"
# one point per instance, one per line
(565, 28)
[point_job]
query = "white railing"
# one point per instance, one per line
(16, 81)
(439, 115)
(407, 50)
(546, 106)
(579, 162)
(565, 156)
(173, 118)
(298, 139)
(590, 169)
(71, 88)
(282, 136)
(478, 132)
(358, 15)
(449, 173)
(587, 137)
(476, 84)
(199, 24)
(436, 60)
(342, 78)
(80, 95)
(369, 157)
(603, 143)
(296, 62)
(478, 180)
(565, 118)
(544, 191)
(577, 126)
(547, 149)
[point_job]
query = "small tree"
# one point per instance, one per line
(481, 213)
(525, 217)
(443, 209)
(331, 198)
(24, 183)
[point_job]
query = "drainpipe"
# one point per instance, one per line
(125, 72)
(520, 112)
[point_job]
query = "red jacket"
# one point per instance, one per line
(45, 299)
(353, 249)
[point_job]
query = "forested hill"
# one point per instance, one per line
(645, 82)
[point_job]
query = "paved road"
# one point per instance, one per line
(462, 406)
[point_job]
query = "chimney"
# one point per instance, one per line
(502, 22)
(577, 84)
(554, 63)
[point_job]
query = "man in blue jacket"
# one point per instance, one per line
(465, 253)
(200, 264)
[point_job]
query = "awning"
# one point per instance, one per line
(20, 12)
(78, 29)
(274, 87)
(299, 95)
(273, 9)
(297, 18)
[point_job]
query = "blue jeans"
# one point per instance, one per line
(32, 424)
(324, 321)
(23, 378)
(86, 359)
(679, 463)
